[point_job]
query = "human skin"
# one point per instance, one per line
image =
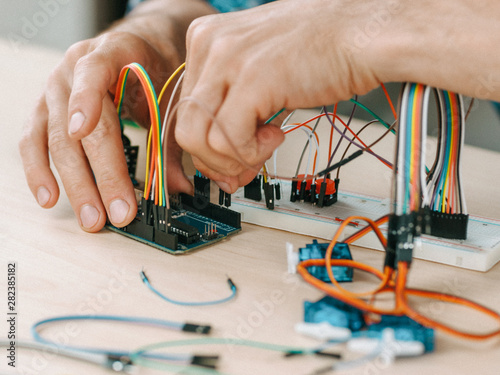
(243, 67)
(76, 121)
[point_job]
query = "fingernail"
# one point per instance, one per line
(224, 186)
(76, 122)
(42, 196)
(118, 210)
(89, 216)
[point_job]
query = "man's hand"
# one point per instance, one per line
(76, 121)
(243, 67)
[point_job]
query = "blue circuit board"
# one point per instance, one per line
(208, 229)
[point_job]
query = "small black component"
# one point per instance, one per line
(146, 211)
(324, 199)
(186, 233)
(312, 196)
(326, 354)
(131, 153)
(293, 353)
(201, 186)
(201, 190)
(119, 363)
(156, 216)
(224, 198)
(424, 223)
(161, 217)
(222, 193)
(122, 359)
(293, 195)
(196, 328)
(303, 191)
(165, 239)
(231, 284)
(207, 361)
(252, 190)
(139, 229)
(402, 231)
(277, 188)
(451, 226)
(269, 195)
(321, 196)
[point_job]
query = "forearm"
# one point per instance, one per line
(163, 24)
(449, 44)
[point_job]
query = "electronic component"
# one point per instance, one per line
(326, 192)
(446, 200)
(277, 189)
(201, 187)
(322, 192)
(385, 344)
(206, 361)
(186, 226)
(269, 195)
(317, 250)
(453, 226)
(252, 190)
(301, 189)
(405, 329)
(323, 331)
(224, 198)
(334, 312)
(131, 154)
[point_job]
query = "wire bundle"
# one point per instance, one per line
(409, 196)
(156, 180)
(443, 182)
(155, 186)
(409, 174)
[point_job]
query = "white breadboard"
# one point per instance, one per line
(479, 252)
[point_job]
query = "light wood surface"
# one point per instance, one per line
(62, 270)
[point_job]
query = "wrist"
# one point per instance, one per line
(163, 25)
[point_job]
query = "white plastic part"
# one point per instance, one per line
(323, 331)
(292, 258)
(387, 345)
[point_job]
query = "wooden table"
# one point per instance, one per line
(62, 270)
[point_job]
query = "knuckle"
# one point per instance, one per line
(233, 168)
(185, 139)
(199, 30)
(61, 149)
(95, 59)
(57, 141)
(76, 190)
(77, 50)
(99, 135)
(109, 180)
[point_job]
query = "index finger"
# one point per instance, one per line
(94, 76)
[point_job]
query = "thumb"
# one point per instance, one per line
(269, 137)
